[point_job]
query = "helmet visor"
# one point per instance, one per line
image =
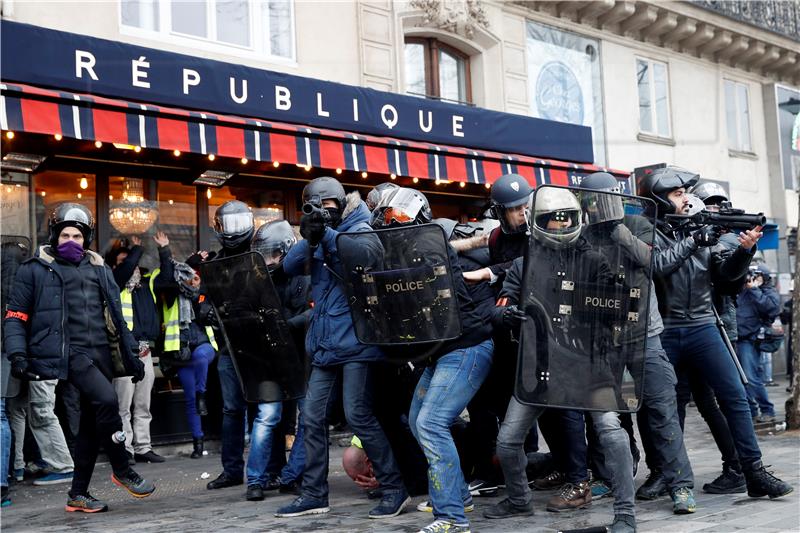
(561, 222)
(602, 207)
(75, 214)
(233, 223)
(402, 207)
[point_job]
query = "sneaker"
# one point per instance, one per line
(549, 482)
(653, 488)
(6, 497)
(506, 509)
(445, 526)
(539, 465)
(136, 485)
(683, 501)
(149, 457)
(224, 481)
(290, 488)
(427, 507)
(480, 487)
(54, 479)
(761, 482)
(729, 482)
(600, 489)
(375, 494)
(392, 504)
(37, 467)
(255, 493)
(19, 474)
(623, 523)
(273, 483)
(303, 505)
(85, 503)
(571, 496)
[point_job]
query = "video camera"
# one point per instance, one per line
(727, 218)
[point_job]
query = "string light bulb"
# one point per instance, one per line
(98, 144)
(10, 134)
(58, 136)
(307, 168)
(488, 185)
(44, 194)
(208, 193)
(84, 183)
(211, 157)
(276, 164)
(80, 196)
(364, 175)
(462, 184)
(338, 170)
(392, 176)
(176, 153)
(137, 149)
(244, 160)
(415, 180)
(171, 202)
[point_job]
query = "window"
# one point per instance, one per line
(436, 70)
(651, 77)
(737, 115)
(263, 26)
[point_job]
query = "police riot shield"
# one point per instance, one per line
(400, 286)
(586, 292)
(267, 361)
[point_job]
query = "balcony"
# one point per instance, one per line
(781, 17)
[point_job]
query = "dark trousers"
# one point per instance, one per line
(68, 411)
(90, 372)
(565, 433)
(699, 350)
(233, 419)
(354, 380)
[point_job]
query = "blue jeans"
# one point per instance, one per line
(261, 441)
(756, 391)
(564, 430)
(443, 391)
(233, 419)
(5, 428)
(700, 350)
(193, 379)
(355, 381)
(293, 470)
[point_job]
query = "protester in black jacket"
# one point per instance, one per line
(55, 327)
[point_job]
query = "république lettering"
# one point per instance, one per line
(85, 63)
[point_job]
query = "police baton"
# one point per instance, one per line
(729, 346)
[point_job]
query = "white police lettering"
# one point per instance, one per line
(426, 128)
(283, 98)
(139, 76)
(85, 61)
(238, 99)
(405, 286)
(321, 112)
(191, 78)
(603, 303)
(390, 123)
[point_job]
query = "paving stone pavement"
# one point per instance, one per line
(182, 503)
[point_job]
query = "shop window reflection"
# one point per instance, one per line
(265, 205)
(53, 188)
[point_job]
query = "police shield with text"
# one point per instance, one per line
(587, 309)
(406, 294)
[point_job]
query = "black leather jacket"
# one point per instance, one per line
(684, 274)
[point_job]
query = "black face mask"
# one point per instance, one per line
(334, 215)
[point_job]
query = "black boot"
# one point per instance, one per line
(653, 488)
(762, 483)
(731, 481)
(200, 403)
(197, 451)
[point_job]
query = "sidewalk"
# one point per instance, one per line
(182, 503)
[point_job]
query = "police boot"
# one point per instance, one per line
(197, 451)
(760, 482)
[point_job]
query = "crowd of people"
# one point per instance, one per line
(80, 333)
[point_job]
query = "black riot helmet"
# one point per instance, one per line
(710, 193)
(511, 190)
(402, 207)
(326, 188)
(233, 224)
(73, 215)
(378, 192)
(598, 207)
(662, 181)
(273, 240)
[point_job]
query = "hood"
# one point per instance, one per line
(354, 212)
(46, 255)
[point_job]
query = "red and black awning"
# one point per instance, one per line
(25, 108)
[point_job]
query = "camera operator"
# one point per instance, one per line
(685, 267)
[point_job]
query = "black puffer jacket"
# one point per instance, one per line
(35, 322)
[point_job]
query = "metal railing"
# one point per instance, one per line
(778, 16)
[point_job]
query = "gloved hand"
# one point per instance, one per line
(312, 228)
(513, 317)
(19, 368)
(706, 236)
(137, 366)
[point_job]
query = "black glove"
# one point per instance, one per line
(137, 370)
(513, 317)
(312, 228)
(706, 236)
(19, 368)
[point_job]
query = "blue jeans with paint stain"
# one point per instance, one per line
(443, 391)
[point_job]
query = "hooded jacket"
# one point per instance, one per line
(757, 308)
(331, 338)
(35, 322)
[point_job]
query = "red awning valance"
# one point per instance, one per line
(26, 108)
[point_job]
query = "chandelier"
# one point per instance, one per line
(133, 215)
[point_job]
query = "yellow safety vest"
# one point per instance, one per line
(172, 329)
(126, 297)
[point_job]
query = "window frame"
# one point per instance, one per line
(431, 47)
(652, 86)
(260, 44)
(739, 148)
